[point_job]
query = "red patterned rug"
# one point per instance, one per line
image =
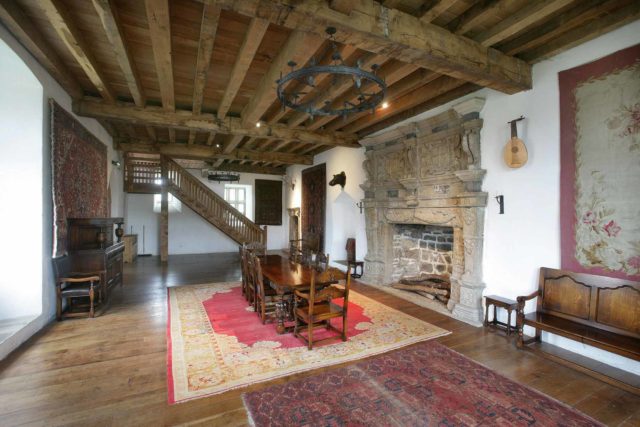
(217, 343)
(426, 384)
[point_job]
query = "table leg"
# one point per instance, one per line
(486, 315)
(509, 322)
(281, 313)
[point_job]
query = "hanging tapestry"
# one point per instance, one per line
(79, 174)
(314, 193)
(268, 199)
(600, 166)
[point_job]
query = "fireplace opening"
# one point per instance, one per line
(423, 260)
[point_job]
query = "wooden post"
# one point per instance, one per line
(164, 213)
(264, 236)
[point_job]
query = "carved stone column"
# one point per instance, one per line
(469, 308)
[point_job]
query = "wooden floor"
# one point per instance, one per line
(111, 370)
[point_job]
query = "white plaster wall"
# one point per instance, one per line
(188, 232)
(51, 89)
(343, 218)
(527, 236)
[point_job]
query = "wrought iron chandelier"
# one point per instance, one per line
(222, 176)
(370, 88)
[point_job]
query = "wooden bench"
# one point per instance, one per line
(599, 311)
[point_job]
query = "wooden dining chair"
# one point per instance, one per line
(322, 261)
(314, 308)
(258, 248)
(306, 257)
(265, 295)
(70, 286)
(251, 281)
(243, 269)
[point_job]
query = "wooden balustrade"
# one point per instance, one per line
(145, 176)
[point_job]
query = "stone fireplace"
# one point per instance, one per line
(424, 207)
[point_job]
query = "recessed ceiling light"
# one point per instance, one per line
(258, 125)
(385, 105)
(217, 145)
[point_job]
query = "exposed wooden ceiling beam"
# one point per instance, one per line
(374, 28)
(436, 8)
(252, 39)
(525, 17)
(208, 29)
(299, 47)
(111, 25)
(58, 16)
(601, 25)
(342, 6)
(205, 122)
(203, 152)
(160, 31)
(210, 138)
(30, 37)
(449, 96)
(431, 90)
(235, 167)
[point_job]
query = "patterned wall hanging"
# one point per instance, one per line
(268, 202)
(600, 166)
(79, 169)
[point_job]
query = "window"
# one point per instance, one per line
(174, 204)
(236, 195)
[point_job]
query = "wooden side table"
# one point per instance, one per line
(506, 303)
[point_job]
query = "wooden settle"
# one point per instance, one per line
(599, 311)
(130, 247)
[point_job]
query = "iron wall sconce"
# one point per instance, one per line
(500, 200)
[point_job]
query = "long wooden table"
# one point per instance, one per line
(284, 276)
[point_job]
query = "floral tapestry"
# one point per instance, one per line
(79, 169)
(600, 166)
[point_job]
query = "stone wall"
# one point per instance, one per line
(421, 248)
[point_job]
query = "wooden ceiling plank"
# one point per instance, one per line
(390, 32)
(332, 91)
(233, 143)
(182, 119)
(253, 37)
(581, 13)
(476, 14)
(430, 104)
(32, 39)
(210, 138)
(203, 152)
(524, 18)
(436, 8)
(299, 47)
(435, 88)
(582, 34)
(342, 6)
(159, 21)
(151, 132)
(58, 16)
(192, 137)
(391, 75)
(111, 24)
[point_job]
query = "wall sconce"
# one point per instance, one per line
(360, 205)
(500, 200)
(116, 163)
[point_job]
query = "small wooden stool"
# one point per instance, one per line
(508, 304)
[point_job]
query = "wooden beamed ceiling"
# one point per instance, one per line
(192, 78)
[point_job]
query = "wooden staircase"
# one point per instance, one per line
(146, 175)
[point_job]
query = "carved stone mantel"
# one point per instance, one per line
(429, 172)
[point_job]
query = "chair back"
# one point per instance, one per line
(248, 265)
(322, 261)
(258, 248)
(61, 266)
(257, 275)
(243, 265)
(331, 275)
(306, 257)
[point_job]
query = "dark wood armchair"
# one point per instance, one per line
(72, 286)
(258, 248)
(315, 307)
(322, 261)
(265, 295)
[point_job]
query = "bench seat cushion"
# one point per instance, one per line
(610, 341)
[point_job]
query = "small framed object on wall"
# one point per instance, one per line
(268, 202)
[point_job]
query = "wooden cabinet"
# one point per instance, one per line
(130, 247)
(93, 249)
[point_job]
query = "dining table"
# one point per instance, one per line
(285, 276)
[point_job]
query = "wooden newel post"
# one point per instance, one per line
(164, 212)
(264, 236)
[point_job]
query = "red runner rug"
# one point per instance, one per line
(426, 384)
(216, 342)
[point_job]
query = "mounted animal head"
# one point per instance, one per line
(340, 178)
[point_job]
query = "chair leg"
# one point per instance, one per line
(344, 327)
(263, 315)
(58, 304)
(310, 334)
(91, 295)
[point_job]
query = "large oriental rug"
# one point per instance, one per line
(216, 343)
(426, 384)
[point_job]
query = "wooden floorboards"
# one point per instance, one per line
(111, 370)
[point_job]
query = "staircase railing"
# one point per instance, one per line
(211, 206)
(144, 175)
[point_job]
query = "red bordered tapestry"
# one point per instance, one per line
(79, 174)
(600, 166)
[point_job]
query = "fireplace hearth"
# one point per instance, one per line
(424, 208)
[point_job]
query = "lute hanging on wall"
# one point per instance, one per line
(515, 152)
